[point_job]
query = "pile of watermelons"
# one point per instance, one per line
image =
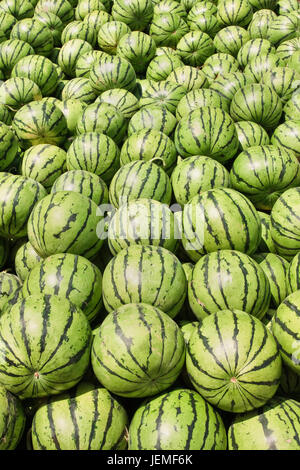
(149, 224)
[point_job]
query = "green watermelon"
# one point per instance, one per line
(11, 51)
(260, 65)
(167, 29)
(233, 361)
(40, 70)
(260, 23)
(80, 89)
(230, 39)
(9, 287)
(44, 163)
(8, 146)
(195, 47)
(237, 12)
(86, 61)
(54, 23)
(97, 421)
(35, 33)
(293, 274)
(4, 251)
(191, 423)
(16, 92)
(253, 48)
(61, 8)
(72, 110)
(69, 54)
(161, 66)
(12, 420)
(275, 426)
(287, 135)
(292, 107)
(188, 76)
(228, 279)
(228, 84)
(25, 260)
(123, 100)
(168, 6)
(17, 9)
(137, 14)
(97, 18)
(266, 242)
(152, 117)
(163, 93)
(251, 134)
(7, 21)
(112, 72)
(140, 179)
(65, 222)
(109, 35)
(94, 152)
(283, 80)
(61, 275)
(45, 346)
(198, 98)
(206, 23)
(79, 30)
(132, 356)
(276, 269)
(84, 7)
(130, 278)
(218, 66)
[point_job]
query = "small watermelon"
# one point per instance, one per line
(12, 420)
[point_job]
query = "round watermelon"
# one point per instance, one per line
(12, 420)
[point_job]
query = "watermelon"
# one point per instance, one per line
(73, 231)
(260, 23)
(97, 18)
(292, 107)
(260, 65)
(253, 48)
(258, 103)
(112, 72)
(129, 278)
(17, 9)
(35, 33)
(123, 100)
(198, 98)
(167, 29)
(237, 12)
(163, 93)
(283, 28)
(8, 146)
(40, 123)
(206, 131)
(7, 21)
(94, 152)
(293, 274)
(6, 116)
(84, 7)
(72, 110)
(233, 361)
(195, 47)
(137, 14)
(15, 92)
(53, 22)
(230, 39)
(266, 242)
(229, 84)
(192, 423)
(86, 61)
(149, 145)
(61, 8)
(140, 179)
(289, 384)
(251, 134)
(287, 135)
(44, 163)
(283, 80)
(12, 420)
(69, 54)
(11, 51)
(285, 329)
(10, 284)
(80, 89)
(25, 259)
(97, 421)
(276, 269)
(275, 426)
(287, 48)
(161, 66)
(79, 30)
(206, 23)
(18, 196)
(168, 6)
(285, 223)
(142, 222)
(218, 66)
(45, 346)
(109, 35)
(193, 175)
(220, 219)
(84, 182)
(190, 77)
(62, 275)
(264, 172)
(40, 70)
(132, 356)
(228, 279)
(152, 117)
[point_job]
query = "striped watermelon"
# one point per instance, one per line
(61, 8)
(44, 163)
(138, 351)
(285, 224)
(287, 135)
(97, 421)
(287, 6)
(123, 100)
(190, 77)
(143, 222)
(206, 131)
(140, 179)
(149, 145)
(195, 47)
(192, 423)
(193, 175)
(285, 329)
(6, 116)
(72, 110)
(167, 29)
(160, 67)
(251, 134)
(8, 146)
(10, 284)
(102, 118)
(45, 346)
(35, 33)
(61, 275)
(138, 48)
(258, 4)
(230, 39)
(97, 18)
(7, 21)
(253, 48)
(128, 278)
(80, 89)
(283, 28)
(84, 7)
(163, 93)
(218, 66)
(11, 51)
(276, 269)
(260, 23)
(86, 61)
(40, 70)
(264, 172)
(228, 279)
(109, 35)
(199, 8)
(168, 6)
(293, 274)
(17, 9)
(233, 361)
(262, 64)
(137, 14)
(234, 12)
(275, 426)
(15, 92)
(74, 231)
(25, 259)
(53, 22)
(18, 196)
(206, 23)
(94, 152)
(258, 103)
(152, 117)
(198, 98)
(112, 72)
(266, 242)
(83, 182)
(69, 54)
(287, 48)
(188, 328)
(292, 107)
(12, 420)
(228, 84)
(294, 62)
(79, 30)
(283, 80)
